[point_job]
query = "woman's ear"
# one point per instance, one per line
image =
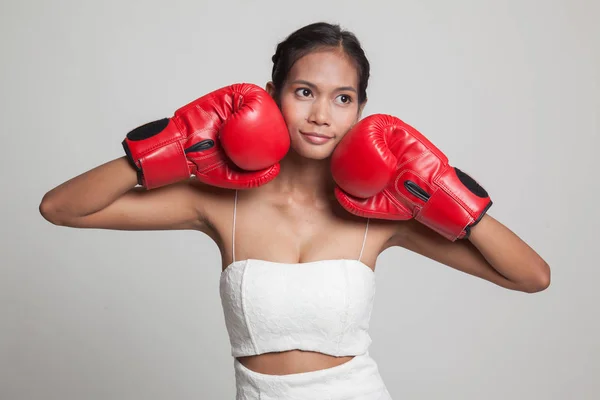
(270, 88)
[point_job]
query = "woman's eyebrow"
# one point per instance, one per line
(313, 86)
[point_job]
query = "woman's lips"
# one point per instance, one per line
(315, 138)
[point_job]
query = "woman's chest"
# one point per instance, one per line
(290, 232)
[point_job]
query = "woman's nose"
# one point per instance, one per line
(320, 112)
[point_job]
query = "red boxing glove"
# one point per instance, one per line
(233, 138)
(386, 169)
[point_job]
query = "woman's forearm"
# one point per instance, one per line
(89, 192)
(509, 255)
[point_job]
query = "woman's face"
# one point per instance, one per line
(319, 102)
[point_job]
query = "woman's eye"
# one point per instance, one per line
(345, 99)
(303, 92)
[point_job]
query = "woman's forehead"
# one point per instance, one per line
(325, 69)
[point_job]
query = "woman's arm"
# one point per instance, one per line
(492, 252)
(106, 197)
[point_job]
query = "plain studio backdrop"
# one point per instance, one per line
(509, 91)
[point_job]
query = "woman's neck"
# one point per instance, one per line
(304, 178)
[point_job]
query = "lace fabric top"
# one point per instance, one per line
(323, 306)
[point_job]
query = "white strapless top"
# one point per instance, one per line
(323, 306)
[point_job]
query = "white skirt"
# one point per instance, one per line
(356, 379)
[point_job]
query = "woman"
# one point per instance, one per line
(299, 247)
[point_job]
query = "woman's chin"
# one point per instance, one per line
(313, 152)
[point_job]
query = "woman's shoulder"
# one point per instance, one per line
(212, 199)
(205, 190)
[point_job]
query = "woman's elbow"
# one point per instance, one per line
(50, 212)
(542, 281)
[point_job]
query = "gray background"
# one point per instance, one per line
(508, 90)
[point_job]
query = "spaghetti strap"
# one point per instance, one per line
(233, 230)
(364, 240)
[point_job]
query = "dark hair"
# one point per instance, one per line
(317, 36)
